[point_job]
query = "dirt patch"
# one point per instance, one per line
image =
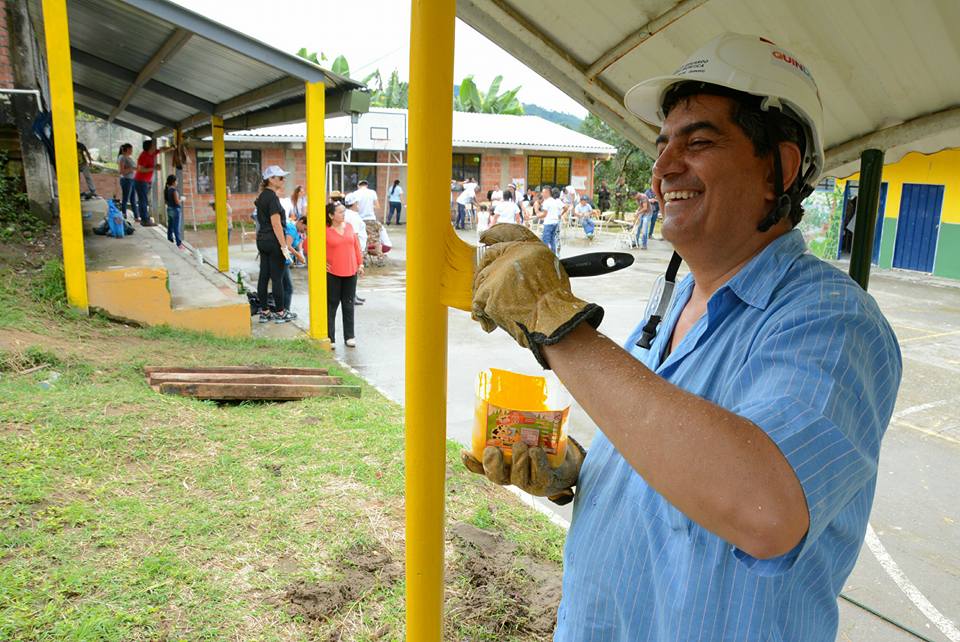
(502, 593)
(359, 571)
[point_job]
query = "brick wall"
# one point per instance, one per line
(584, 167)
(490, 166)
(6, 68)
(518, 167)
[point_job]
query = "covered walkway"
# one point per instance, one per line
(160, 69)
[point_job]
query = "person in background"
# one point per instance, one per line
(552, 212)
(507, 211)
(298, 203)
(294, 241)
(301, 225)
(146, 164)
(174, 211)
(584, 213)
(84, 159)
(272, 246)
(394, 196)
(367, 202)
(127, 168)
(642, 222)
(569, 197)
(495, 195)
(603, 197)
(344, 265)
(654, 209)
(483, 219)
(466, 198)
(352, 216)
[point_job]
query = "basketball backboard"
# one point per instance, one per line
(382, 131)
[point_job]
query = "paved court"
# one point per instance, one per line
(910, 572)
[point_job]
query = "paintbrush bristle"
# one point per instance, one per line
(456, 282)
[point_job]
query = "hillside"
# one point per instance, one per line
(559, 117)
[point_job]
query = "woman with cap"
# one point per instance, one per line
(272, 245)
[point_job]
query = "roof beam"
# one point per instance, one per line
(134, 110)
(509, 29)
(292, 113)
(167, 50)
(906, 132)
(216, 32)
(644, 33)
(128, 75)
(100, 114)
(275, 91)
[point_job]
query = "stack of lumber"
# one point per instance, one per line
(247, 383)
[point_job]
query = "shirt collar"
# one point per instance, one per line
(755, 282)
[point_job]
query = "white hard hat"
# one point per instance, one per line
(753, 65)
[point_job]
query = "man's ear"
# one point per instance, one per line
(790, 159)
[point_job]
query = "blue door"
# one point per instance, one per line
(918, 226)
(878, 230)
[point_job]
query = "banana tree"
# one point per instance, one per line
(469, 98)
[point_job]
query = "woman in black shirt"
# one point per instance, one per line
(272, 245)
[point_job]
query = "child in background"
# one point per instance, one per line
(174, 211)
(483, 219)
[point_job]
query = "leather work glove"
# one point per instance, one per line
(521, 287)
(530, 470)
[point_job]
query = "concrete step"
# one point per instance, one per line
(146, 279)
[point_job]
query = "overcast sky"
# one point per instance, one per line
(375, 34)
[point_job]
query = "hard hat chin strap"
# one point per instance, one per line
(783, 203)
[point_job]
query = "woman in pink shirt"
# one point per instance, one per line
(344, 264)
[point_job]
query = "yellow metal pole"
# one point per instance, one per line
(430, 151)
(220, 193)
(316, 221)
(65, 145)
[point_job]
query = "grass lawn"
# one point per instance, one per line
(128, 515)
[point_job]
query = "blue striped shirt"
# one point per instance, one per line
(797, 348)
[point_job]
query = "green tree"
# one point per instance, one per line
(630, 162)
(393, 94)
(469, 98)
(373, 80)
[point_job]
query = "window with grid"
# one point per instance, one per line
(548, 171)
(465, 165)
(243, 171)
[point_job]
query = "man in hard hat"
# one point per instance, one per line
(727, 492)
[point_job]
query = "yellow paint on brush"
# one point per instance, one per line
(456, 280)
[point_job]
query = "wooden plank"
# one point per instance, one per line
(264, 392)
(243, 377)
(238, 370)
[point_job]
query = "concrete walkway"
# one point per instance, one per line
(912, 571)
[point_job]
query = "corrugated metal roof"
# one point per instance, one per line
(880, 64)
(197, 64)
(485, 131)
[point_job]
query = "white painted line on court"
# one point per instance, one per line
(925, 431)
(919, 600)
(929, 336)
(921, 407)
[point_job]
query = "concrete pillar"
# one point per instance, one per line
(29, 72)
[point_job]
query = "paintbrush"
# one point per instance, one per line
(456, 281)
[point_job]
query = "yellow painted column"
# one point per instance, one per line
(65, 146)
(316, 220)
(430, 151)
(220, 193)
